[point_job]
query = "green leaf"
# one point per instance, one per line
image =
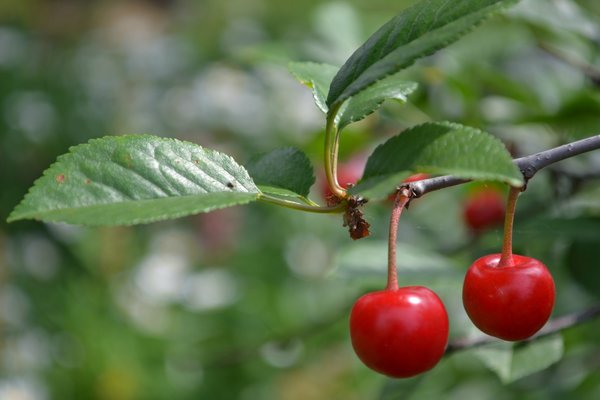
(363, 260)
(123, 180)
(549, 228)
(318, 77)
(315, 76)
(395, 389)
(417, 32)
(369, 100)
(437, 148)
(286, 168)
(512, 361)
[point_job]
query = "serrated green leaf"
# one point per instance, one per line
(285, 194)
(512, 361)
(369, 100)
(124, 180)
(417, 32)
(315, 76)
(318, 77)
(286, 168)
(437, 148)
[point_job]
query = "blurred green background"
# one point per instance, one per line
(252, 302)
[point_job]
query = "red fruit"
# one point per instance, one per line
(510, 302)
(416, 177)
(483, 210)
(401, 332)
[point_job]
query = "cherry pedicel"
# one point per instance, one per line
(347, 174)
(507, 295)
(399, 332)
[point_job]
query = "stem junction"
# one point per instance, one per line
(506, 259)
(400, 201)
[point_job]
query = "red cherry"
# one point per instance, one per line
(401, 332)
(416, 177)
(510, 302)
(483, 210)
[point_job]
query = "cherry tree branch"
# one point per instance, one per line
(528, 165)
(554, 326)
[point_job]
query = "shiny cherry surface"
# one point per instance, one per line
(509, 302)
(401, 332)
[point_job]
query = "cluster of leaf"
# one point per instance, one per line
(139, 312)
(137, 179)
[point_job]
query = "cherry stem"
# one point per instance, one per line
(506, 259)
(331, 153)
(400, 201)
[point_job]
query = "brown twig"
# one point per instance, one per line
(554, 326)
(528, 165)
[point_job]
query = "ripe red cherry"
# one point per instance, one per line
(399, 332)
(416, 177)
(483, 210)
(511, 302)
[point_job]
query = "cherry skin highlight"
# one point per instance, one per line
(510, 302)
(484, 210)
(399, 332)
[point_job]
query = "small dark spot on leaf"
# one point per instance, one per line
(60, 178)
(197, 162)
(87, 181)
(230, 185)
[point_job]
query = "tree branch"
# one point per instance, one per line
(528, 165)
(554, 326)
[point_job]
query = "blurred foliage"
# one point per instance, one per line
(252, 303)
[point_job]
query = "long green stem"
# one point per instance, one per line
(331, 150)
(402, 198)
(302, 207)
(511, 205)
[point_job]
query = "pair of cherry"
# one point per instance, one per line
(402, 332)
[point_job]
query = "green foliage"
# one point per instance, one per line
(286, 168)
(437, 148)
(582, 263)
(253, 302)
(369, 100)
(415, 33)
(363, 260)
(512, 361)
(318, 77)
(123, 180)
